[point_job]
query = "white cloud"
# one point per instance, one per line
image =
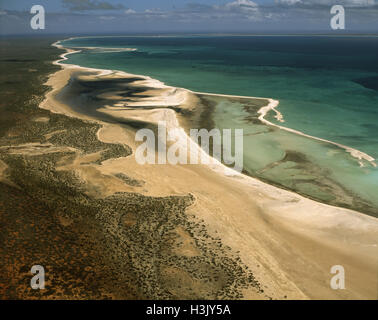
(157, 13)
(242, 9)
(246, 9)
(289, 2)
(130, 11)
(243, 5)
(347, 3)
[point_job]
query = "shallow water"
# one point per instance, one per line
(326, 87)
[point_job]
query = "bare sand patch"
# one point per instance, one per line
(42, 119)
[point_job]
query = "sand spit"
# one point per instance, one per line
(273, 104)
(289, 242)
(169, 99)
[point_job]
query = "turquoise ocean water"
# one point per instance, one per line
(327, 87)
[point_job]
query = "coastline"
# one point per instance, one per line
(297, 222)
(272, 106)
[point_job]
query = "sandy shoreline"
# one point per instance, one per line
(288, 241)
(272, 106)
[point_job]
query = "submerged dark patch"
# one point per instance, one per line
(369, 82)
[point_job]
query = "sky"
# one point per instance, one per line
(176, 16)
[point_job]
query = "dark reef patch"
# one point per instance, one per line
(369, 82)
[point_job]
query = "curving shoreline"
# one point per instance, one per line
(180, 96)
(272, 106)
(257, 218)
